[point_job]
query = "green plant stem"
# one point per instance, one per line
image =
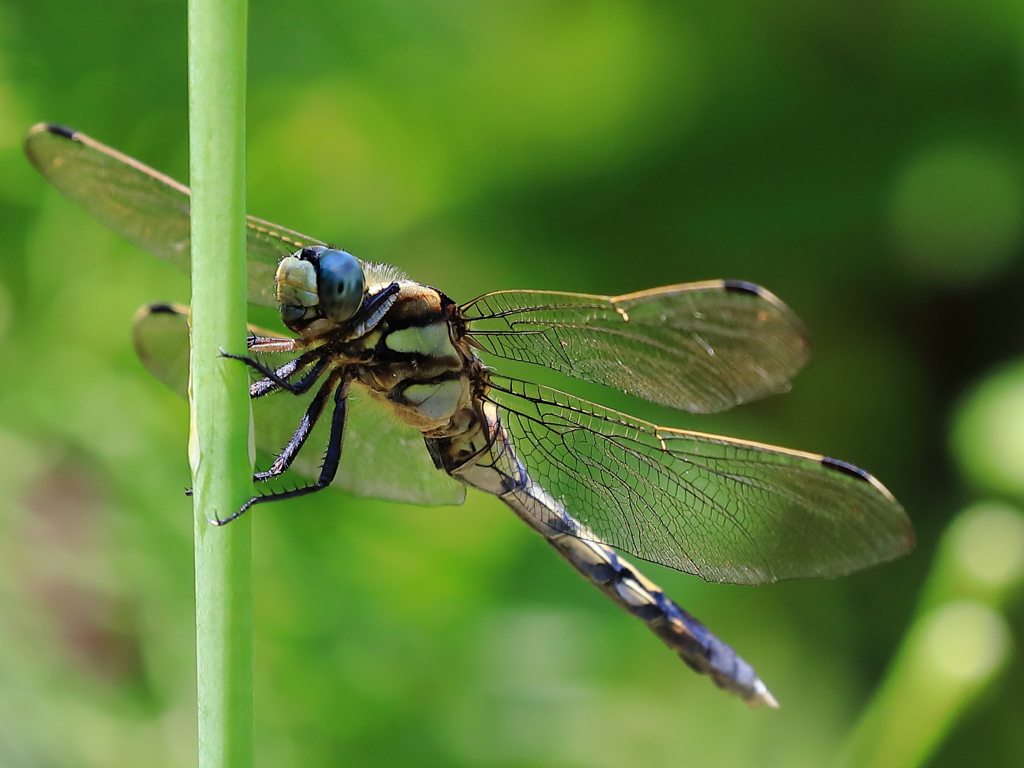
(957, 644)
(218, 449)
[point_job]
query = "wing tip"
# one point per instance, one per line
(906, 534)
(54, 129)
(36, 154)
(844, 467)
(752, 289)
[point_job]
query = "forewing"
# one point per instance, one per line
(702, 347)
(381, 457)
(146, 207)
(725, 510)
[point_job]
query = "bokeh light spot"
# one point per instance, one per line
(987, 438)
(957, 212)
(965, 640)
(989, 542)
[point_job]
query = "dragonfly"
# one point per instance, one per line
(382, 388)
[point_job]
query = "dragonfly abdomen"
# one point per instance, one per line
(639, 596)
(496, 468)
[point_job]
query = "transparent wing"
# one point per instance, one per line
(376, 444)
(146, 207)
(722, 509)
(702, 347)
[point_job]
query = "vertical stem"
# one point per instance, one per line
(218, 449)
(957, 645)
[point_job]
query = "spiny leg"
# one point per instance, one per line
(309, 418)
(268, 386)
(331, 459)
(267, 344)
(274, 381)
(302, 431)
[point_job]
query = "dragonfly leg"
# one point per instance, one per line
(374, 309)
(268, 344)
(298, 439)
(268, 386)
(331, 459)
(279, 378)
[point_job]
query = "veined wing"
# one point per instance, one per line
(375, 444)
(702, 347)
(723, 509)
(146, 207)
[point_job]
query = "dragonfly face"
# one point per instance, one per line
(397, 366)
(319, 283)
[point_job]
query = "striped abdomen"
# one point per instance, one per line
(494, 467)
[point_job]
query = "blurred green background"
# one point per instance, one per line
(861, 160)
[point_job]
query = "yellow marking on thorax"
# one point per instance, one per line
(369, 341)
(429, 341)
(437, 401)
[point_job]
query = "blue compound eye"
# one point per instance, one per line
(341, 285)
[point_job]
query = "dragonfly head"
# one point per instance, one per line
(319, 282)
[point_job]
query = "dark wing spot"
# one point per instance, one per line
(846, 469)
(62, 130)
(162, 309)
(742, 286)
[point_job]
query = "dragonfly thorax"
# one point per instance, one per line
(415, 361)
